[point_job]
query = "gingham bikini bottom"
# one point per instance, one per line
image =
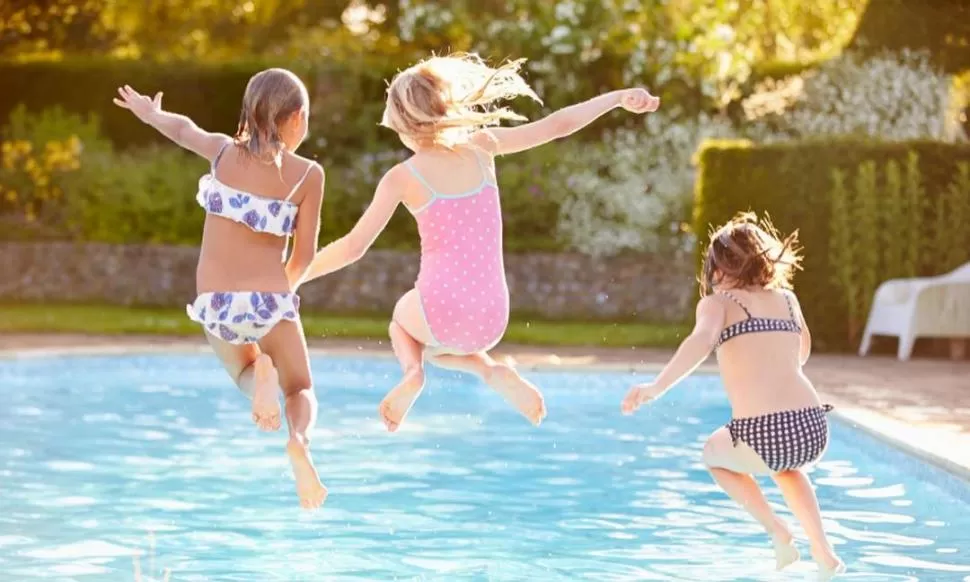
(785, 440)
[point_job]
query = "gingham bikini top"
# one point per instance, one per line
(260, 213)
(758, 324)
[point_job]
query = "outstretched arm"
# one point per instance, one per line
(351, 247)
(178, 128)
(692, 352)
(563, 123)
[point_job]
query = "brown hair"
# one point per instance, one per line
(748, 252)
(271, 97)
(443, 100)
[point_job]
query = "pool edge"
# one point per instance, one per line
(878, 426)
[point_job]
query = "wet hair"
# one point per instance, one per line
(443, 100)
(272, 96)
(748, 252)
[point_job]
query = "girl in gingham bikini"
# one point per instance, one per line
(754, 322)
(459, 308)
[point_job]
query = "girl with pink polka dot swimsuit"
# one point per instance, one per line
(461, 282)
(441, 109)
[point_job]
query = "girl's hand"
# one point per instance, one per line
(639, 101)
(141, 105)
(639, 395)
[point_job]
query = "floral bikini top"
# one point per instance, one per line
(260, 213)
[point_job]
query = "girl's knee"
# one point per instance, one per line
(296, 384)
(715, 451)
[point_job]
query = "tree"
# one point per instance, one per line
(940, 27)
(44, 26)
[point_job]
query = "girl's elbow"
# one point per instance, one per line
(354, 250)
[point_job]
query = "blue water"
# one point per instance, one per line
(105, 457)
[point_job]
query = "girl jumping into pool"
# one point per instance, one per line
(752, 319)
(255, 191)
(441, 109)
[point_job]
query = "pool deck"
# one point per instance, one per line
(921, 406)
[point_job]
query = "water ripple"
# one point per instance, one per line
(159, 454)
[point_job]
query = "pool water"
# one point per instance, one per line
(105, 457)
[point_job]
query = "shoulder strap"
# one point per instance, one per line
(420, 178)
(791, 310)
(482, 164)
(736, 300)
(299, 183)
(222, 150)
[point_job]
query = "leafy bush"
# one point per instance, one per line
(794, 183)
(633, 191)
(891, 96)
(40, 155)
(62, 180)
(210, 95)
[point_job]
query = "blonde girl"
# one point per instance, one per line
(752, 319)
(255, 191)
(443, 109)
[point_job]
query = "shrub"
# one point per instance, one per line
(891, 96)
(62, 180)
(794, 183)
(633, 191)
(40, 155)
(210, 95)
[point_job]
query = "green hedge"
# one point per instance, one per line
(209, 94)
(60, 179)
(941, 27)
(795, 185)
(347, 102)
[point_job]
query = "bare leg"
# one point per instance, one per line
(501, 377)
(286, 344)
(409, 335)
(732, 468)
(800, 497)
(398, 402)
(256, 377)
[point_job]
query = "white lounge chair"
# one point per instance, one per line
(921, 307)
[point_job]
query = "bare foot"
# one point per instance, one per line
(826, 573)
(399, 400)
(310, 490)
(518, 391)
(266, 394)
(786, 553)
(829, 565)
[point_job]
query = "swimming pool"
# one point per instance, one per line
(100, 455)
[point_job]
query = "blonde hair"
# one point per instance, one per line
(749, 252)
(272, 96)
(443, 100)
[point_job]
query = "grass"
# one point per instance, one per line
(116, 320)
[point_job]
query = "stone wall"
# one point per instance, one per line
(545, 284)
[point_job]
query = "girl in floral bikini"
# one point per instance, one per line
(246, 302)
(459, 308)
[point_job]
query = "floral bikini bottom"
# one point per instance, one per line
(243, 317)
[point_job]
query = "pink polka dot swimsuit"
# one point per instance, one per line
(461, 281)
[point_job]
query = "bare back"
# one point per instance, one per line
(762, 370)
(234, 256)
(446, 173)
